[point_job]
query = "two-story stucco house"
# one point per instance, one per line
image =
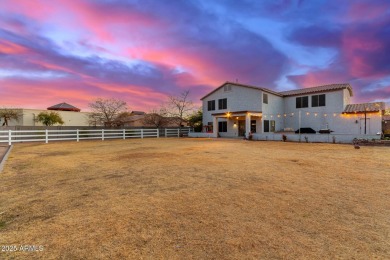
(235, 109)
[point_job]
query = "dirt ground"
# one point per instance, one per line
(195, 199)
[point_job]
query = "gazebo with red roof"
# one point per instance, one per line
(64, 107)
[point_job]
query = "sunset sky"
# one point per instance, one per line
(54, 51)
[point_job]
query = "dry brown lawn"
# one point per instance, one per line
(196, 199)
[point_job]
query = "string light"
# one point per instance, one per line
(316, 114)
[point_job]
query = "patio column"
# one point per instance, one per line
(247, 124)
(215, 126)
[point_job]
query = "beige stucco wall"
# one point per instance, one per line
(70, 118)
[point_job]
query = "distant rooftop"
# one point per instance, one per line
(137, 113)
(64, 107)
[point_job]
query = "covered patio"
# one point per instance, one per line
(238, 123)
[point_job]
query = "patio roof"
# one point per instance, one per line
(364, 107)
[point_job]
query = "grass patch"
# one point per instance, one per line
(2, 224)
(197, 198)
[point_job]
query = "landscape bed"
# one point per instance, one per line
(195, 198)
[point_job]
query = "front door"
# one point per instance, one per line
(241, 127)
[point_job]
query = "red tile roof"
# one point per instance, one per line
(64, 107)
(368, 107)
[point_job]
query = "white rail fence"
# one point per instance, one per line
(18, 136)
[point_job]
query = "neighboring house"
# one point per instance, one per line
(137, 119)
(137, 113)
(70, 114)
(235, 109)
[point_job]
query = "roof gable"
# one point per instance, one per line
(242, 85)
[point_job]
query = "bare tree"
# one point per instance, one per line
(156, 118)
(106, 111)
(9, 114)
(180, 107)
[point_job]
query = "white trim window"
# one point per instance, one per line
(265, 98)
(222, 103)
(318, 100)
(269, 126)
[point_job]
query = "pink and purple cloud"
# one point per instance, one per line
(142, 51)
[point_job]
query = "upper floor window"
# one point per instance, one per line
(302, 102)
(211, 105)
(318, 100)
(227, 88)
(222, 103)
(265, 98)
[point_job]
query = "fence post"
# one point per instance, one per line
(178, 132)
(46, 136)
(124, 134)
(9, 137)
(158, 132)
(165, 132)
(102, 134)
(142, 133)
(77, 135)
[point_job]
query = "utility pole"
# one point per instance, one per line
(365, 121)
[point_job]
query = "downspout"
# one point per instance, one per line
(365, 122)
